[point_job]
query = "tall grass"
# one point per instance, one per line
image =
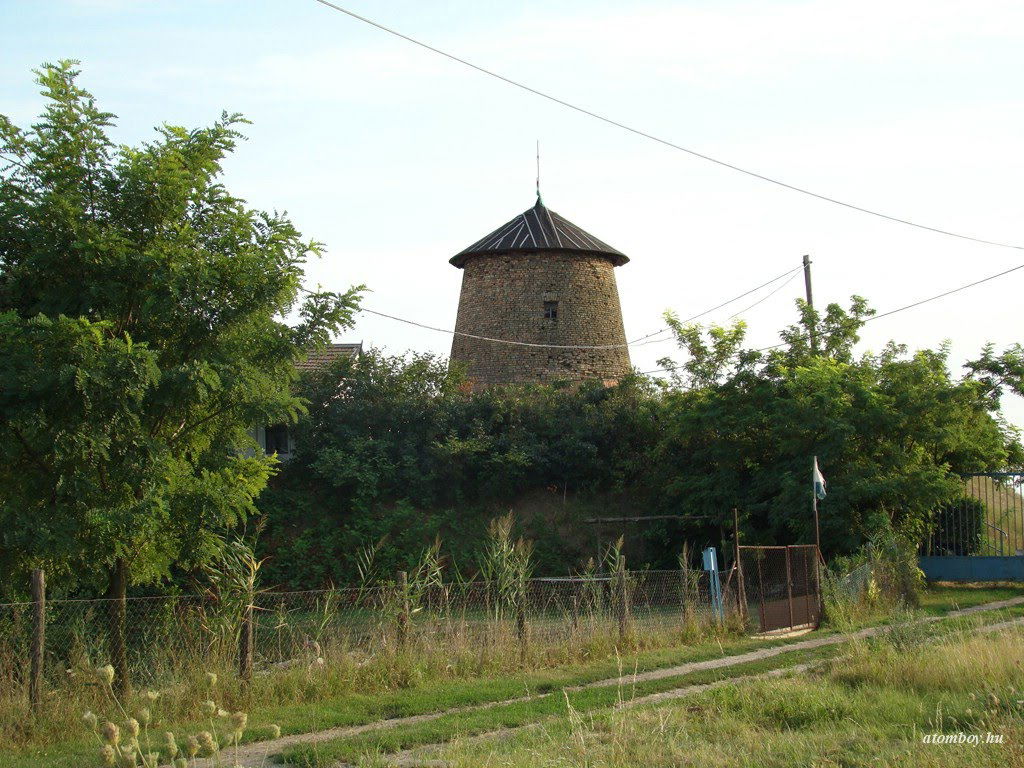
(871, 708)
(883, 579)
(323, 646)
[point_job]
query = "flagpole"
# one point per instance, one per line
(814, 501)
(818, 560)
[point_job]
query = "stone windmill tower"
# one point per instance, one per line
(540, 279)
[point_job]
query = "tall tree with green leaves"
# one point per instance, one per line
(893, 431)
(143, 334)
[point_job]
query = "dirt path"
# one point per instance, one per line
(255, 755)
(801, 645)
(416, 757)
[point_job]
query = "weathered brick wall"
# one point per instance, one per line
(503, 297)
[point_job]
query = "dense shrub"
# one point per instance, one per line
(401, 449)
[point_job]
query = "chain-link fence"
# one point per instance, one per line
(167, 638)
(780, 585)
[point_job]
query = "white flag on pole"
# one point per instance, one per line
(819, 481)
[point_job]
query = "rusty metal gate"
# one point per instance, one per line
(780, 586)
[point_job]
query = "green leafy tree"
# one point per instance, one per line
(397, 447)
(892, 432)
(999, 372)
(142, 330)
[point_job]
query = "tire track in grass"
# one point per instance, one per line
(254, 755)
(414, 757)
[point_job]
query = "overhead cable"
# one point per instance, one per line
(665, 142)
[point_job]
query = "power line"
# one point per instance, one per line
(790, 273)
(947, 293)
(918, 303)
(490, 338)
(571, 346)
(691, 318)
(765, 298)
(665, 142)
(891, 312)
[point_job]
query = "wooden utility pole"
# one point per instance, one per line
(814, 351)
(810, 301)
(35, 680)
(403, 608)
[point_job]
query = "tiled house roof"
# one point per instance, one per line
(324, 357)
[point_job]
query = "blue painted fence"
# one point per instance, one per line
(973, 568)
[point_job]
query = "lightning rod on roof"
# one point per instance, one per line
(538, 170)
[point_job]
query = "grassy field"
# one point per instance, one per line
(301, 702)
(942, 598)
(874, 708)
(553, 714)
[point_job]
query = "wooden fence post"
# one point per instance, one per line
(446, 607)
(687, 592)
(246, 643)
(117, 615)
(35, 681)
(621, 599)
(403, 610)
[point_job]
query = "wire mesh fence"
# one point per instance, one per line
(169, 637)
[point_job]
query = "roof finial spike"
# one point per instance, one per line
(538, 173)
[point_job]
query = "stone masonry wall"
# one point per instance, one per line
(503, 297)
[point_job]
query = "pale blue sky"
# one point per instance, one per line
(397, 159)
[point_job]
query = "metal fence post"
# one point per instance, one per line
(807, 586)
(711, 566)
(819, 561)
(789, 587)
(403, 611)
(35, 681)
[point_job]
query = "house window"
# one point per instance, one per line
(550, 310)
(277, 439)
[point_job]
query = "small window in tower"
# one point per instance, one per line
(550, 310)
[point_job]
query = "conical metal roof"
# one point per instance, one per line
(539, 229)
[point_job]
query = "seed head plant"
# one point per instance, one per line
(137, 748)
